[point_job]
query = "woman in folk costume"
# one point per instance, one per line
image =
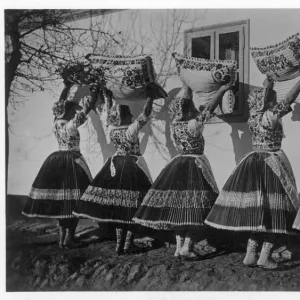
(118, 189)
(185, 190)
(64, 176)
(260, 195)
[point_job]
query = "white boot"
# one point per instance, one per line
(251, 256)
(179, 244)
(187, 249)
(265, 260)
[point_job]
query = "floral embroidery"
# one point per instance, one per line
(281, 109)
(201, 64)
(279, 61)
(273, 64)
(257, 98)
(263, 135)
(131, 75)
(67, 135)
(59, 108)
(112, 197)
(123, 145)
(81, 72)
(184, 141)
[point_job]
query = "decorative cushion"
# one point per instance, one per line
(225, 107)
(280, 61)
(204, 75)
(127, 76)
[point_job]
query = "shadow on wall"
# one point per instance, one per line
(296, 112)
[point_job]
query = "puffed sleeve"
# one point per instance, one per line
(195, 125)
(72, 125)
(272, 116)
(133, 130)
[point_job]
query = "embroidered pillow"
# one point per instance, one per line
(127, 76)
(204, 75)
(280, 61)
(225, 107)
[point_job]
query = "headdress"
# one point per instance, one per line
(59, 108)
(114, 115)
(258, 97)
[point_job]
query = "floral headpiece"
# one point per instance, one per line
(175, 108)
(114, 115)
(59, 108)
(258, 97)
(81, 72)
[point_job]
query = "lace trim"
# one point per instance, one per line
(175, 199)
(54, 194)
(281, 166)
(67, 148)
(112, 197)
(253, 199)
(268, 50)
(81, 161)
(80, 215)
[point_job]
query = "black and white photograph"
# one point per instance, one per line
(150, 148)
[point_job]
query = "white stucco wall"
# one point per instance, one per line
(225, 143)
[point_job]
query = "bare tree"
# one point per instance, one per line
(36, 41)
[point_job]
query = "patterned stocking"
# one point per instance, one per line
(128, 241)
(251, 256)
(187, 249)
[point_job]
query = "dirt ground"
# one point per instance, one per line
(35, 263)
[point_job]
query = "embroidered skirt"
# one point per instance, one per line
(115, 197)
(61, 181)
(181, 196)
(258, 196)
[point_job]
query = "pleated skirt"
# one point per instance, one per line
(179, 198)
(56, 190)
(115, 199)
(253, 199)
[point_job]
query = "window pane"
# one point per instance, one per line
(229, 46)
(201, 47)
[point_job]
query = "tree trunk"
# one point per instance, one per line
(11, 67)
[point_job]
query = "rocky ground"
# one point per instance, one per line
(35, 263)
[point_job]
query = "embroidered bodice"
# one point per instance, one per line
(125, 138)
(266, 129)
(67, 134)
(187, 136)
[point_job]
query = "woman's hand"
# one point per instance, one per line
(268, 83)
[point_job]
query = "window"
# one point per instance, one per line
(228, 41)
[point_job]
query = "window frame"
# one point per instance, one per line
(243, 27)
